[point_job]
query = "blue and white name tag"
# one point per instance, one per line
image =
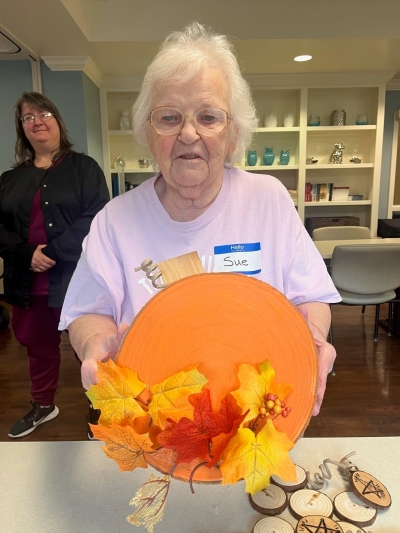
(241, 258)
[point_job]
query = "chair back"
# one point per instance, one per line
(335, 233)
(366, 269)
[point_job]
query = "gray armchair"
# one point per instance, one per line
(367, 275)
(336, 233)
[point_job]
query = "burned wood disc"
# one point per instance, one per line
(350, 528)
(349, 508)
(291, 486)
(272, 524)
(272, 500)
(369, 490)
(317, 524)
(308, 502)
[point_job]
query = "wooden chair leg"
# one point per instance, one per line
(330, 339)
(363, 309)
(390, 319)
(377, 307)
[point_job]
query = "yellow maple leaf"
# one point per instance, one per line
(255, 458)
(170, 398)
(254, 386)
(124, 445)
(115, 393)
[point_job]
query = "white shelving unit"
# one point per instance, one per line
(302, 96)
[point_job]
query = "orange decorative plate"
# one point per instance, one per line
(217, 322)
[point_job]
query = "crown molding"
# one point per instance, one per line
(319, 79)
(393, 85)
(74, 63)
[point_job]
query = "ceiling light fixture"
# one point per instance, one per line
(303, 58)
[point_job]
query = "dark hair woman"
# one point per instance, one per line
(47, 203)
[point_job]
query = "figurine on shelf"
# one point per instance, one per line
(284, 158)
(124, 119)
(310, 160)
(288, 120)
(314, 120)
(355, 159)
(362, 120)
(269, 156)
(252, 158)
(337, 154)
(270, 120)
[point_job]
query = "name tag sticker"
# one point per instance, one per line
(239, 258)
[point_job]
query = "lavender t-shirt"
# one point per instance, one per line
(252, 228)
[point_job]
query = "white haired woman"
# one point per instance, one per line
(195, 114)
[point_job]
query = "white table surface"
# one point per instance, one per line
(326, 248)
(72, 487)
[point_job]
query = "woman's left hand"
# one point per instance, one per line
(40, 262)
(326, 358)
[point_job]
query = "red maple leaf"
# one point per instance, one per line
(191, 439)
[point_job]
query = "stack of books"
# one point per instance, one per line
(319, 192)
(293, 195)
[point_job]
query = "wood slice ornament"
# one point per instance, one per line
(218, 322)
(307, 502)
(350, 528)
(271, 501)
(291, 486)
(369, 490)
(273, 524)
(317, 524)
(349, 508)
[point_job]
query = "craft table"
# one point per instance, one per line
(326, 248)
(72, 487)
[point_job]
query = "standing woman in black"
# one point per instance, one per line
(47, 203)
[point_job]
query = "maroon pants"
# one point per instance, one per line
(37, 329)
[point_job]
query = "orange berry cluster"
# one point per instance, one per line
(273, 406)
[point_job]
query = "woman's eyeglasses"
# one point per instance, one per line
(30, 118)
(209, 121)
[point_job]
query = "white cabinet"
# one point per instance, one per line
(302, 141)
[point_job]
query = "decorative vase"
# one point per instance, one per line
(288, 120)
(252, 158)
(314, 120)
(269, 156)
(270, 120)
(362, 120)
(124, 119)
(339, 117)
(284, 158)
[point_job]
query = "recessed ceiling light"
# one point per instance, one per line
(303, 58)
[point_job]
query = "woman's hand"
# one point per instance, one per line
(40, 262)
(318, 317)
(99, 348)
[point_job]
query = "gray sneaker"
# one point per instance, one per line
(36, 416)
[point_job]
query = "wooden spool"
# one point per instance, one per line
(307, 502)
(317, 524)
(217, 322)
(291, 486)
(272, 524)
(350, 528)
(271, 501)
(369, 490)
(349, 508)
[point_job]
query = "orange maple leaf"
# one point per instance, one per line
(170, 398)
(255, 458)
(254, 386)
(124, 445)
(115, 393)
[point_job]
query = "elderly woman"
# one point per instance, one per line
(196, 116)
(47, 203)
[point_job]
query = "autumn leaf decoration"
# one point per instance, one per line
(177, 414)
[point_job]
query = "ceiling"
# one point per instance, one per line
(122, 36)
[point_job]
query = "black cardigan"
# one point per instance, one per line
(72, 193)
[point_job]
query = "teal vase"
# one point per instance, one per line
(252, 158)
(269, 156)
(284, 157)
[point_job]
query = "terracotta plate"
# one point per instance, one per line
(217, 322)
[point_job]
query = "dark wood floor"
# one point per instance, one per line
(363, 399)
